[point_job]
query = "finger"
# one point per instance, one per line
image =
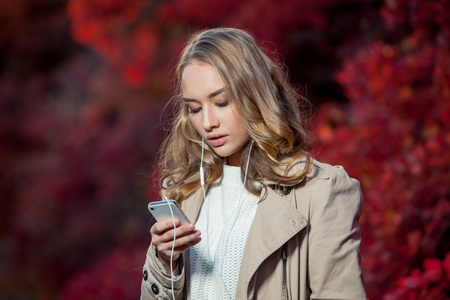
(179, 241)
(178, 250)
(160, 227)
(188, 245)
(185, 230)
(181, 231)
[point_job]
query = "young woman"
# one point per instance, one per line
(269, 222)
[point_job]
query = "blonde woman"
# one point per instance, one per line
(269, 222)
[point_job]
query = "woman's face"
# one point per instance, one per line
(212, 113)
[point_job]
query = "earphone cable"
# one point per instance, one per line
(173, 246)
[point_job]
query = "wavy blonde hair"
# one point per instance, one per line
(268, 106)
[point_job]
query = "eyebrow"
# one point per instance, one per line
(212, 95)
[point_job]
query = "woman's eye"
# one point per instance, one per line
(194, 110)
(224, 103)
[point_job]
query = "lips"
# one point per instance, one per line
(217, 140)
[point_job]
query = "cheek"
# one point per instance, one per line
(239, 128)
(237, 122)
(196, 122)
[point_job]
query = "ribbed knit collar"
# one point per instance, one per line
(231, 176)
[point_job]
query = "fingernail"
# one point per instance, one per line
(191, 227)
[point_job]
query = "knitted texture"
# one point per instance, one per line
(224, 221)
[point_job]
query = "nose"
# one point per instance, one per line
(210, 120)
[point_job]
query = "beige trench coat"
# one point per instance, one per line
(303, 244)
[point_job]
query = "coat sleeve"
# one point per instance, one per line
(334, 263)
(156, 283)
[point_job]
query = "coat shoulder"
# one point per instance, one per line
(325, 181)
(324, 170)
(321, 175)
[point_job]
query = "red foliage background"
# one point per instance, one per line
(82, 87)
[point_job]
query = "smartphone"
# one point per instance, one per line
(161, 211)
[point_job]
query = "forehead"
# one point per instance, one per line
(200, 79)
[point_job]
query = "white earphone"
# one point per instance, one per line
(238, 204)
(202, 182)
(172, 276)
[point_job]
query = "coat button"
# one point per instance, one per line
(145, 275)
(155, 289)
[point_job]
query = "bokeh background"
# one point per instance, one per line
(83, 84)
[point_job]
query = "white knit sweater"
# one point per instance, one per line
(224, 222)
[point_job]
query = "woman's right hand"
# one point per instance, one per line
(162, 237)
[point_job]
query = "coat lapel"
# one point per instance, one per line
(276, 221)
(192, 205)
